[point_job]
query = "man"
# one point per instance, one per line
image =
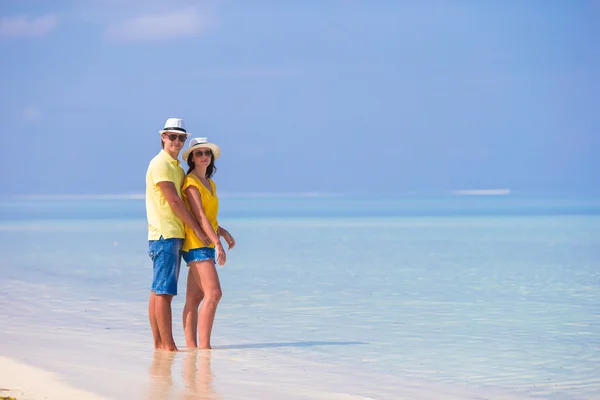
(166, 213)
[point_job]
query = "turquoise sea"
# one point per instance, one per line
(455, 297)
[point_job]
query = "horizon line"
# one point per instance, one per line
(142, 195)
(504, 192)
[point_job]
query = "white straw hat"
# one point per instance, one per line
(174, 125)
(197, 143)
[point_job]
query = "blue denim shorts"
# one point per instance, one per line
(166, 262)
(199, 254)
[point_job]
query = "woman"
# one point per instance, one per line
(200, 194)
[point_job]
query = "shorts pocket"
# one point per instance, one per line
(152, 249)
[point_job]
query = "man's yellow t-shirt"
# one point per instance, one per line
(210, 205)
(162, 221)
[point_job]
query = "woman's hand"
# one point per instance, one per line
(221, 256)
(228, 238)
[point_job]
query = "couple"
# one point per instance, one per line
(182, 221)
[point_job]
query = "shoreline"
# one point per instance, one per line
(194, 377)
(25, 382)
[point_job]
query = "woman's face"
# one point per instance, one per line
(202, 156)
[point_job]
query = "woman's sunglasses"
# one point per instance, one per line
(200, 153)
(173, 136)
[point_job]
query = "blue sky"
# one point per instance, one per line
(331, 96)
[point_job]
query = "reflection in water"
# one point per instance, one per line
(197, 376)
(161, 379)
(196, 371)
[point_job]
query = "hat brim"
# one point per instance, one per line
(213, 147)
(170, 131)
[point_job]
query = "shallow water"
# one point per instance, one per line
(323, 298)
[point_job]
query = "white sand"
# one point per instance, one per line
(24, 382)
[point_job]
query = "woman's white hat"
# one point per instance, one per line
(197, 143)
(174, 125)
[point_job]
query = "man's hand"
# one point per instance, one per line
(203, 237)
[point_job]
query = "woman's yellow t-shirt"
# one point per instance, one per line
(210, 205)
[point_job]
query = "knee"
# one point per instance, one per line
(164, 298)
(193, 300)
(213, 296)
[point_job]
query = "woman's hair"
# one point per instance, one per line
(210, 170)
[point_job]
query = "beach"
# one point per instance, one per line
(25, 382)
(189, 374)
(323, 299)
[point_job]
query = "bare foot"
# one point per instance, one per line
(170, 348)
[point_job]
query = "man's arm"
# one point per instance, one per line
(179, 208)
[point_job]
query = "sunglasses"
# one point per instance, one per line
(200, 153)
(173, 136)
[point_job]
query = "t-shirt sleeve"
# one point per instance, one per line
(189, 181)
(159, 172)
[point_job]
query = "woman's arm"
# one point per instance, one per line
(227, 236)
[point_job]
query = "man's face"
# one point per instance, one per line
(174, 141)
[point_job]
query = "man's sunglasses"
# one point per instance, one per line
(200, 153)
(173, 136)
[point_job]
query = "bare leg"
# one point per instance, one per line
(193, 297)
(205, 272)
(162, 309)
(153, 322)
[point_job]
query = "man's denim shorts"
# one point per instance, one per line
(166, 262)
(199, 254)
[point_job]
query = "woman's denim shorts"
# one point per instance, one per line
(199, 254)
